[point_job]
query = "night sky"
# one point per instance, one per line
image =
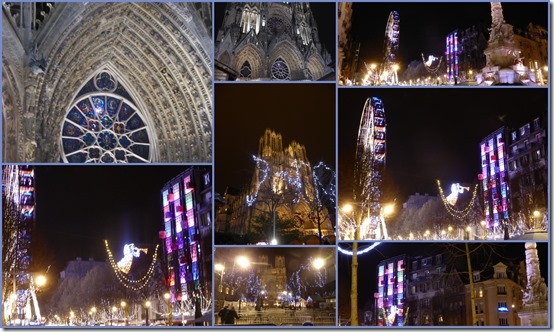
(296, 258)
(78, 207)
(325, 14)
(304, 113)
(424, 26)
(367, 270)
(432, 134)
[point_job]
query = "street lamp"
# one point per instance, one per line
(147, 305)
(317, 263)
(167, 297)
(536, 215)
(71, 317)
(221, 269)
(114, 309)
(484, 225)
(93, 315)
(243, 262)
(124, 305)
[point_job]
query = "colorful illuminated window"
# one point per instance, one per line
(104, 126)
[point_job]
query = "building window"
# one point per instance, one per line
(414, 265)
(207, 179)
(438, 259)
(280, 70)
(414, 276)
(104, 126)
(425, 261)
(503, 321)
(476, 276)
(536, 124)
(245, 70)
(501, 289)
(514, 135)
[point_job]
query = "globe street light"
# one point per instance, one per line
(124, 305)
(147, 305)
(536, 215)
(221, 269)
(317, 263)
(243, 262)
(167, 297)
(114, 309)
(93, 315)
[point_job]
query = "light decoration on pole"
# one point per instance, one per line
(450, 200)
(122, 274)
(360, 251)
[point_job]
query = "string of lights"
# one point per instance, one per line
(360, 251)
(122, 276)
(460, 214)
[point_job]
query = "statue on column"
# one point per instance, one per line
(536, 290)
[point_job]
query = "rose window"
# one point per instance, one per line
(104, 126)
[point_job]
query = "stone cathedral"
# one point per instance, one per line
(270, 41)
(110, 82)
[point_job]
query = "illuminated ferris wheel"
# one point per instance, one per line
(390, 47)
(369, 165)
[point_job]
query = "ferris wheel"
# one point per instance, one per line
(390, 48)
(370, 162)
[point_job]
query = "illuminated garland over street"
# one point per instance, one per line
(359, 252)
(460, 214)
(122, 275)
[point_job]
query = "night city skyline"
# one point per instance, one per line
(432, 134)
(121, 204)
(424, 26)
(511, 252)
(299, 112)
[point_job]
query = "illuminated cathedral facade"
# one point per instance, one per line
(106, 82)
(276, 41)
(284, 186)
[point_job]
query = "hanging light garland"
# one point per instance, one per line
(122, 275)
(460, 214)
(359, 252)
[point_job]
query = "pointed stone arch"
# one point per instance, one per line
(254, 56)
(161, 52)
(290, 54)
(315, 66)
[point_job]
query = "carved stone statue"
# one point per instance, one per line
(536, 290)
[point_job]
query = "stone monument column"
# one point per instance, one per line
(534, 308)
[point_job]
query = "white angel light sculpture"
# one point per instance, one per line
(456, 189)
(129, 251)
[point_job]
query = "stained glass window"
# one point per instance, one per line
(280, 70)
(104, 126)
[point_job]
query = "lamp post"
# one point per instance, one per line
(147, 305)
(221, 269)
(93, 315)
(317, 263)
(124, 307)
(243, 262)
(536, 215)
(167, 297)
(114, 309)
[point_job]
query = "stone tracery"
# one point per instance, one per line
(136, 40)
